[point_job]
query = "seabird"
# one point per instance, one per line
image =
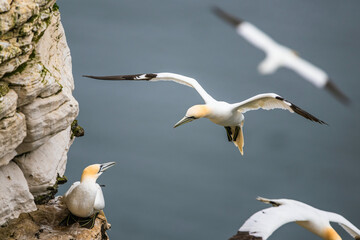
(85, 199)
(222, 113)
(280, 56)
(263, 223)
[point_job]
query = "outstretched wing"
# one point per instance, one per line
(263, 223)
(248, 31)
(304, 68)
(343, 222)
(153, 77)
(234, 21)
(270, 101)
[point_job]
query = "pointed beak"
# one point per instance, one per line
(183, 121)
(106, 166)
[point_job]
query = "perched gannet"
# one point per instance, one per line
(85, 199)
(280, 56)
(222, 113)
(263, 223)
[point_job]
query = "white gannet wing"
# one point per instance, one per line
(248, 31)
(99, 203)
(270, 101)
(256, 37)
(307, 70)
(69, 191)
(263, 223)
(343, 222)
(279, 55)
(314, 75)
(153, 77)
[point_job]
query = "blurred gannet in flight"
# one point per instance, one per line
(222, 113)
(263, 223)
(280, 56)
(85, 199)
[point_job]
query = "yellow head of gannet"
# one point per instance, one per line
(85, 199)
(193, 113)
(92, 172)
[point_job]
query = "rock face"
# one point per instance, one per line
(36, 104)
(44, 224)
(52, 156)
(16, 197)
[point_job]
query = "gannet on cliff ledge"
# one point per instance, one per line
(85, 199)
(280, 56)
(263, 223)
(222, 113)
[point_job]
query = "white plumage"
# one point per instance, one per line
(222, 113)
(263, 223)
(278, 56)
(85, 197)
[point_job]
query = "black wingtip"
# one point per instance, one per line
(103, 77)
(138, 77)
(227, 17)
(335, 91)
(306, 114)
(244, 236)
(302, 112)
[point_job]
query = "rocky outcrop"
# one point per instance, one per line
(36, 104)
(41, 179)
(44, 224)
(15, 195)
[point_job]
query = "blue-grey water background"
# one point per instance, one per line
(189, 182)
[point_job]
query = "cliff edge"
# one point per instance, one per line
(37, 110)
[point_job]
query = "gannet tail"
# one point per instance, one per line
(269, 65)
(238, 138)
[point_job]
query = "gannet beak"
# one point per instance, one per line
(184, 120)
(106, 166)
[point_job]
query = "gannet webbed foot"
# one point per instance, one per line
(87, 222)
(236, 134)
(228, 133)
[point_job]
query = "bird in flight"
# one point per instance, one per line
(263, 223)
(85, 199)
(280, 56)
(222, 113)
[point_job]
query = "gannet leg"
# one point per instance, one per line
(228, 133)
(236, 134)
(88, 222)
(69, 220)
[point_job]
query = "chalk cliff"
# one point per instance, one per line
(36, 105)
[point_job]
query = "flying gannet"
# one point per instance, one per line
(280, 56)
(85, 199)
(263, 223)
(222, 113)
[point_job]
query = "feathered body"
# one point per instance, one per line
(278, 55)
(263, 223)
(85, 197)
(222, 113)
(91, 195)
